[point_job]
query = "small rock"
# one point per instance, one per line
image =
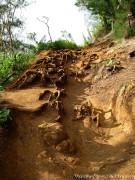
(108, 115)
(74, 161)
(67, 146)
(42, 155)
(55, 137)
(54, 133)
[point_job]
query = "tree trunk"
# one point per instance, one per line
(11, 41)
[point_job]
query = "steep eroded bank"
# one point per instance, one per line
(74, 113)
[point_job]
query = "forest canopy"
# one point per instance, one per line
(113, 13)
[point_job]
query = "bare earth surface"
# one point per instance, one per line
(73, 114)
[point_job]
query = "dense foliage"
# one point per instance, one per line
(4, 115)
(9, 21)
(113, 13)
(65, 42)
(12, 65)
(58, 44)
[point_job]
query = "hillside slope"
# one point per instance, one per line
(74, 114)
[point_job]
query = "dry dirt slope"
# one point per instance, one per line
(74, 114)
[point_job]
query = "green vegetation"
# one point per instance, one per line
(99, 30)
(66, 42)
(5, 115)
(62, 44)
(15, 55)
(105, 77)
(131, 31)
(112, 15)
(56, 45)
(8, 23)
(13, 65)
(111, 62)
(89, 39)
(96, 77)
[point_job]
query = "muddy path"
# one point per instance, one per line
(73, 114)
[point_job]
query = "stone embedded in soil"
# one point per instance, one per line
(54, 138)
(54, 133)
(74, 161)
(108, 115)
(67, 146)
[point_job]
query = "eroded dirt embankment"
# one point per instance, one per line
(74, 113)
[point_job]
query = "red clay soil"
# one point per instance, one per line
(73, 115)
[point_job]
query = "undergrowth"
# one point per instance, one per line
(5, 115)
(62, 44)
(12, 65)
(131, 31)
(55, 45)
(98, 31)
(111, 62)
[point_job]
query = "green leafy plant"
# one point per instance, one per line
(111, 62)
(12, 65)
(5, 115)
(105, 77)
(89, 39)
(96, 77)
(67, 36)
(1, 88)
(99, 30)
(66, 43)
(61, 44)
(111, 15)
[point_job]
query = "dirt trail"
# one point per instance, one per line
(74, 113)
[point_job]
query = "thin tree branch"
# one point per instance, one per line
(46, 23)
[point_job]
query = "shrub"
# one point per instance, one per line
(98, 31)
(58, 44)
(5, 115)
(62, 44)
(13, 65)
(119, 29)
(100, 28)
(121, 14)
